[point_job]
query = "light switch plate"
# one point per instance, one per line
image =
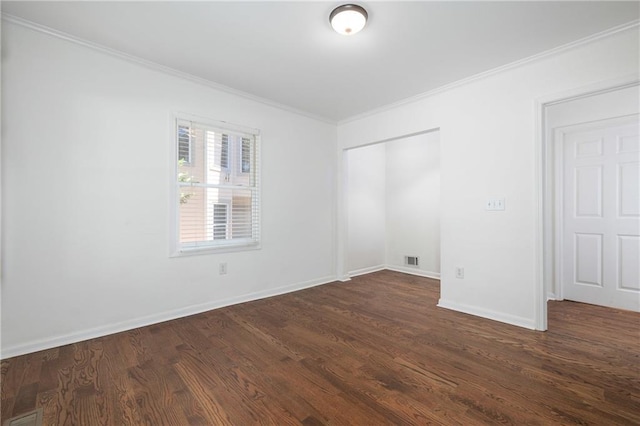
(494, 204)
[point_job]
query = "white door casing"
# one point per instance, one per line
(600, 212)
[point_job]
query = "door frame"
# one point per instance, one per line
(546, 240)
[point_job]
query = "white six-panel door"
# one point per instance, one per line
(601, 213)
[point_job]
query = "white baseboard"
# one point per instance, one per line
(65, 339)
(413, 271)
(367, 270)
(395, 268)
(489, 314)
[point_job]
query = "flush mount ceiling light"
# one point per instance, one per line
(348, 19)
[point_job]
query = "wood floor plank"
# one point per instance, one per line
(373, 351)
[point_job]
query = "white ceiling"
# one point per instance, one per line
(287, 52)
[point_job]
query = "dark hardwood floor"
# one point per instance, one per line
(372, 351)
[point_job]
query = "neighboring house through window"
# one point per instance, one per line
(246, 155)
(217, 194)
(220, 221)
(224, 152)
(184, 145)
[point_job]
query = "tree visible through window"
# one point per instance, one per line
(222, 206)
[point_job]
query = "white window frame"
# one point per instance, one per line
(176, 249)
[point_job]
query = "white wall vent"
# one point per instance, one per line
(411, 260)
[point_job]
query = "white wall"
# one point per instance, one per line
(393, 199)
(366, 194)
(85, 214)
(487, 133)
(413, 203)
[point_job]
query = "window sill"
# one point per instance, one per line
(203, 250)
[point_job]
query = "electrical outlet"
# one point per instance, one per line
(459, 272)
(223, 268)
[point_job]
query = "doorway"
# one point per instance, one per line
(392, 206)
(591, 159)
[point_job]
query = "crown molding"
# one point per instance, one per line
(537, 57)
(158, 67)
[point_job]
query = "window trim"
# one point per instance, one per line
(237, 245)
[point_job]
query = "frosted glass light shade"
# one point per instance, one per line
(348, 19)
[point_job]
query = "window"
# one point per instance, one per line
(246, 155)
(184, 145)
(217, 196)
(224, 152)
(220, 221)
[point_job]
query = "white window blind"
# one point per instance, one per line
(218, 199)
